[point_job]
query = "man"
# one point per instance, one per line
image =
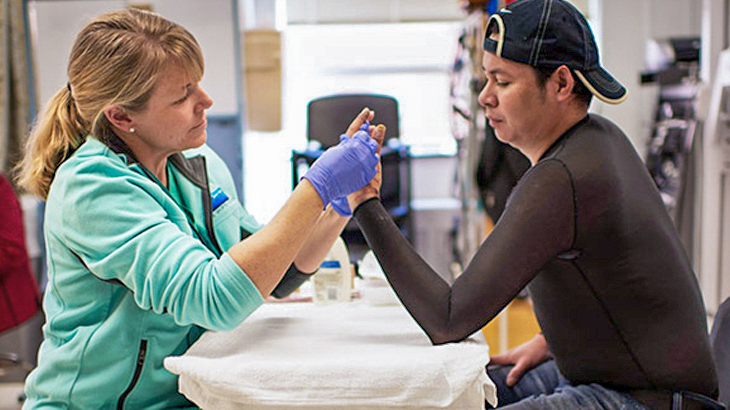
(622, 317)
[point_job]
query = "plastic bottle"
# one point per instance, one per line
(374, 287)
(333, 279)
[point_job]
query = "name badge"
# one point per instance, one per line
(217, 198)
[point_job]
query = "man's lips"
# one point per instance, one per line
(493, 120)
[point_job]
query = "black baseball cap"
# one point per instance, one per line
(551, 33)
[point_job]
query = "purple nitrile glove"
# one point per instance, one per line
(340, 205)
(345, 167)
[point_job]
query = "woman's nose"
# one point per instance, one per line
(205, 101)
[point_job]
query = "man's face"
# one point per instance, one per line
(515, 103)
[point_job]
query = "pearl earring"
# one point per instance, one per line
(131, 130)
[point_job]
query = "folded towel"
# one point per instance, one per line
(342, 355)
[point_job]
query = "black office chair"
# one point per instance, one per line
(720, 339)
(327, 118)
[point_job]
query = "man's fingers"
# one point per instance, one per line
(378, 135)
(514, 375)
(499, 359)
(365, 115)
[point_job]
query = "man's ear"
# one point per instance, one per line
(565, 82)
(118, 117)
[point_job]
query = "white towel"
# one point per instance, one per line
(344, 355)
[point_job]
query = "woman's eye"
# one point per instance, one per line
(188, 92)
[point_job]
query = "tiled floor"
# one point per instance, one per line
(9, 394)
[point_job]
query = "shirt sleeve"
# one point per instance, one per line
(537, 224)
(121, 232)
(13, 255)
(292, 280)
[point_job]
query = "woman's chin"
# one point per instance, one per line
(199, 140)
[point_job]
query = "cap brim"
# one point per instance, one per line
(603, 85)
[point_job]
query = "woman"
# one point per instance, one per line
(143, 229)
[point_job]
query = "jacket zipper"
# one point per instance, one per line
(137, 373)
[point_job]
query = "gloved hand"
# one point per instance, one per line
(341, 206)
(344, 168)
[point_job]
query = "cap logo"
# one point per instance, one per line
(505, 10)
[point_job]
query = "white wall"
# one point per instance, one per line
(713, 195)
(56, 23)
(357, 11)
(625, 27)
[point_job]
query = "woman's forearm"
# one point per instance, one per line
(320, 241)
(266, 255)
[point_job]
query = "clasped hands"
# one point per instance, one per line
(349, 173)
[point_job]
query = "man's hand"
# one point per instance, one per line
(524, 357)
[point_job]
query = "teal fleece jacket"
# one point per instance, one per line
(136, 272)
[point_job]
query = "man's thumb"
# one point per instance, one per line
(514, 375)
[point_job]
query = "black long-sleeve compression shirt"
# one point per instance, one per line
(586, 231)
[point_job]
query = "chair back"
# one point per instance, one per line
(329, 116)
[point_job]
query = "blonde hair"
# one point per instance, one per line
(116, 59)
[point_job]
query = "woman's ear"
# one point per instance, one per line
(118, 117)
(565, 82)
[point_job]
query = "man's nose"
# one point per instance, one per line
(487, 97)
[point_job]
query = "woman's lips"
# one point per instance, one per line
(201, 125)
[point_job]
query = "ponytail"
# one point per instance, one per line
(53, 138)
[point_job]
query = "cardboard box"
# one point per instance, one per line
(262, 79)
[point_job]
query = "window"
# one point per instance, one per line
(409, 61)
